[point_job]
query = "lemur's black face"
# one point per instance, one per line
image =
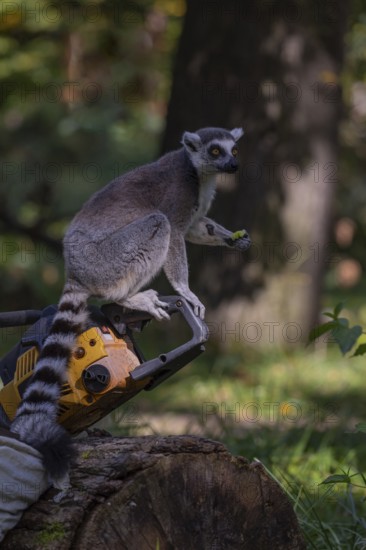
(213, 150)
(221, 155)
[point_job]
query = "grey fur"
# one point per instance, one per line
(135, 226)
(36, 418)
(237, 133)
(118, 242)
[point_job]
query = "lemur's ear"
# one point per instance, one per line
(237, 133)
(192, 142)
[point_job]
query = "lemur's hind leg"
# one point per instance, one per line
(147, 300)
(121, 263)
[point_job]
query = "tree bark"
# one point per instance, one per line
(160, 492)
(272, 67)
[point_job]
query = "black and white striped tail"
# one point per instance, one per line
(36, 418)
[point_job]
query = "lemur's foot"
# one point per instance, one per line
(148, 301)
(156, 307)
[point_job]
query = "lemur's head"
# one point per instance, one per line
(213, 149)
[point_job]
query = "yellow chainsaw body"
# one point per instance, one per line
(106, 368)
(79, 407)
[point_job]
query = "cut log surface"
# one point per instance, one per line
(166, 493)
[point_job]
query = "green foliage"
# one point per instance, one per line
(343, 528)
(361, 350)
(344, 335)
(337, 478)
(361, 427)
(83, 88)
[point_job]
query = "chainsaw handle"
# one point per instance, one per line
(19, 318)
(177, 304)
(162, 367)
(121, 319)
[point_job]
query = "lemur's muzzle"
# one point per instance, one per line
(231, 166)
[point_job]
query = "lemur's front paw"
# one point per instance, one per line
(198, 307)
(239, 239)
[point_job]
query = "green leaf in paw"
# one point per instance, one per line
(239, 234)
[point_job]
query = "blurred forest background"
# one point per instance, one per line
(91, 89)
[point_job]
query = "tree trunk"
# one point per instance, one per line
(272, 67)
(160, 492)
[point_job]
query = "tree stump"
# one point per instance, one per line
(166, 493)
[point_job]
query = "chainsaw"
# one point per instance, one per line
(107, 366)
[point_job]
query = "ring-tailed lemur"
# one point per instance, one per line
(121, 238)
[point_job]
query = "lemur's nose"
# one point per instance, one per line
(232, 165)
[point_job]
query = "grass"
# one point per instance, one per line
(294, 411)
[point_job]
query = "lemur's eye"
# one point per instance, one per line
(215, 152)
(234, 152)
